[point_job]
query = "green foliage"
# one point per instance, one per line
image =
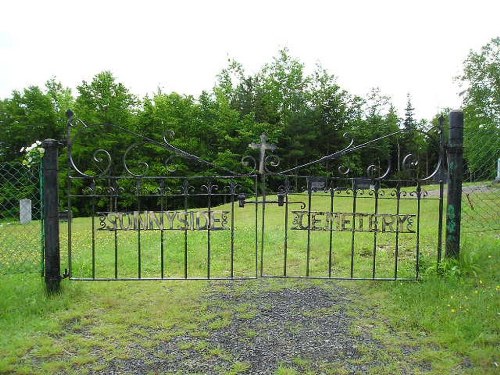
(481, 80)
(305, 114)
(29, 116)
(465, 266)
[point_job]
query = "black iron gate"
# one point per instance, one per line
(142, 221)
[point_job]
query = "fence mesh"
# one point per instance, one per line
(481, 188)
(20, 219)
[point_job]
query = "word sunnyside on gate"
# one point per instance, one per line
(246, 225)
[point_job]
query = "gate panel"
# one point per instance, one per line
(343, 231)
(162, 228)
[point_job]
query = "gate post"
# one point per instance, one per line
(51, 217)
(455, 176)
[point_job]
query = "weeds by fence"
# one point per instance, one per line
(481, 191)
(20, 238)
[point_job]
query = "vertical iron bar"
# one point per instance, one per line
(353, 231)
(93, 236)
(285, 244)
(116, 253)
(308, 255)
(256, 193)
(441, 189)
(186, 192)
(396, 252)
(139, 252)
(116, 232)
(263, 223)
(374, 262)
(70, 215)
(162, 232)
(440, 222)
(114, 207)
(330, 253)
(208, 227)
(455, 176)
(417, 263)
(232, 230)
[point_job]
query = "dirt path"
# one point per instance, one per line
(304, 329)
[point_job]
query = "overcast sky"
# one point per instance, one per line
(401, 46)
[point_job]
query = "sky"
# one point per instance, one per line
(399, 46)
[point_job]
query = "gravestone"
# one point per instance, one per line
(25, 211)
(316, 183)
(497, 179)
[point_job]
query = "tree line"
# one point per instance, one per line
(306, 115)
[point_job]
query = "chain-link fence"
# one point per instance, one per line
(20, 219)
(481, 188)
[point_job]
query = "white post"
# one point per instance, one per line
(498, 171)
(25, 211)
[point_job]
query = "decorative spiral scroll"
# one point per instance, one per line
(101, 158)
(271, 161)
(372, 170)
(249, 161)
(377, 192)
(410, 161)
(163, 189)
(210, 188)
(171, 167)
(141, 165)
(186, 188)
(399, 193)
(419, 193)
(436, 170)
(347, 135)
(233, 188)
(105, 160)
(72, 121)
(343, 170)
(114, 190)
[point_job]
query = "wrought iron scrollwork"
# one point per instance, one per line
(249, 161)
(210, 188)
(271, 161)
(343, 170)
(371, 171)
(141, 165)
(186, 187)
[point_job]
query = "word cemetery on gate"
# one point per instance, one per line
(218, 220)
(348, 222)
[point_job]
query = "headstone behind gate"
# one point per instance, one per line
(25, 211)
(497, 179)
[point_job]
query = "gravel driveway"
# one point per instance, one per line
(256, 329)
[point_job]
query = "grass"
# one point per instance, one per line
(441, 324)
(456, 315)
